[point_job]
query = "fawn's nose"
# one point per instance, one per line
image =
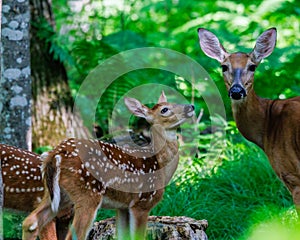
(189, 110)
(237, 92)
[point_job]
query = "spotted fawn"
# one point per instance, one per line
(93, 174)
(23, 187)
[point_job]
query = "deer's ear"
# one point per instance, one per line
(136, 107)
(211, 45)
(265, 45)
(162, 97)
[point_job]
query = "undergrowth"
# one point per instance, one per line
(229, 197)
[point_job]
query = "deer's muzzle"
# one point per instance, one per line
(237, 92)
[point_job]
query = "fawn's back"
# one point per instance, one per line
(22, 179)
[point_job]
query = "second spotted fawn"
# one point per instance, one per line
(93, 174)
(23, 187)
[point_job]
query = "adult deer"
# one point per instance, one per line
(22, 183)
(274, 125)
(92, 173)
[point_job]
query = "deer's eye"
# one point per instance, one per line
(252, 68)
(164, 110)
(224, 68)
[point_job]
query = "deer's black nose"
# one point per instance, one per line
(189, 107)
(237, 92)
(189, 110)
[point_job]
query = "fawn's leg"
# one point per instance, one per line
(48, 231)
(63, 220)
(85, 211)
(122, 224)
(33, 225)
(138, 223)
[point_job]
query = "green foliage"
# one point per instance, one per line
(42, 149)
(282, 226)
(12, 225)
(53, 41)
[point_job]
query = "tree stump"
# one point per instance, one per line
(159, 228)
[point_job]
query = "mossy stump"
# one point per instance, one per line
(159, 228)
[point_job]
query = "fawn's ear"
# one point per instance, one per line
(162, 97)
(211, 45)
(136, 107)
(265, 45)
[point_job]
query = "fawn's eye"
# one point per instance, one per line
(252, 68)
(164, 110)
(224, 68)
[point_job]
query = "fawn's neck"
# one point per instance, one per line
(165, 146)
(250, 115)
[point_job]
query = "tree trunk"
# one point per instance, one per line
(15, 84)
(164, 228)
(52, 100)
